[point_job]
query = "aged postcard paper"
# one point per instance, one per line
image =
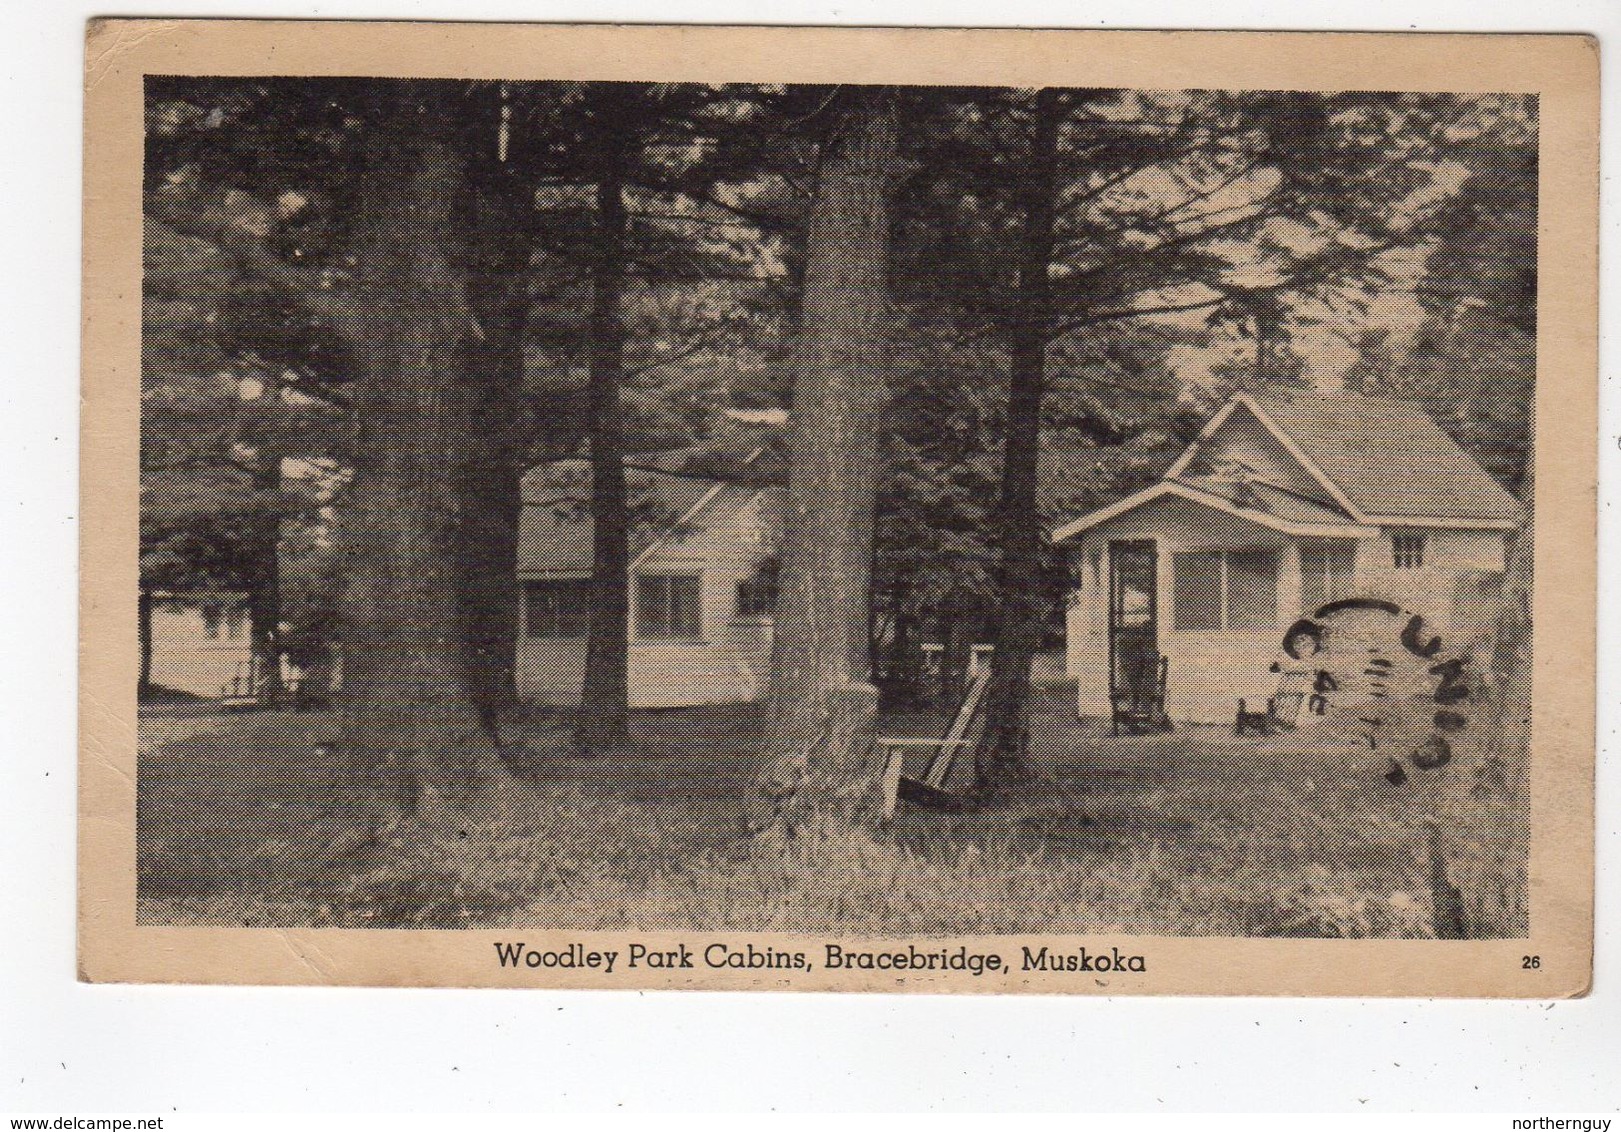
(811, 509)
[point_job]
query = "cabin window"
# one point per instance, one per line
(1327, 572)
(757, 594)
(1252, 589)
(557, 607)
(1198, 591)
(669, 606)
(1225, 589)
(1407, 548)
(212, 617)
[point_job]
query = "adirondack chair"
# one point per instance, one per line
(930, 790)
(1282, 707)
(1137, 704)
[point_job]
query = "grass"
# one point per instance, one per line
(1192, 833)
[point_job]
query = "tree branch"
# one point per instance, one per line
(188, 209)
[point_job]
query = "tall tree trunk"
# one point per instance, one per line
(1003, 754)
(491, 488)
(604, 715)
(264, 591)
(1478, 828)
(410, 730)
(822, 704)
(143, 629)
(503, 246)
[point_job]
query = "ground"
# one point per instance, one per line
(1191, 833)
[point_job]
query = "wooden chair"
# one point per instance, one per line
(930, 790)
(1282, 707)
(1293, 688)
(242, 693)
(1138, 706)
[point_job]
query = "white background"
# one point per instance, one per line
(65, 1047)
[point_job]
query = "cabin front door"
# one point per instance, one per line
(1133, 611)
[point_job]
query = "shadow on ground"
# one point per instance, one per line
(1192, 832)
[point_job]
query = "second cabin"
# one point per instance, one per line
(703, 582)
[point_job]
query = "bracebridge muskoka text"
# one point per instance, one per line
(833, 956)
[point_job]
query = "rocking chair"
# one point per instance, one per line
(1137, 705)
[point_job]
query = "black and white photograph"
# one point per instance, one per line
(607, 505)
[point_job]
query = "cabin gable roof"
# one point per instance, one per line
(555, 527)
(1354, 461)
(1382, 460)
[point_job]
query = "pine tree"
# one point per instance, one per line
(821, 706)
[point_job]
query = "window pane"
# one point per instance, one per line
(1252, 589)
(1341, 570)
(757, 594)
(1314, 582)
(558, 608)
(652, 607)
(686, 607)
(1197, 586)
(669, 605)
(1408, 550)
(1326, 569)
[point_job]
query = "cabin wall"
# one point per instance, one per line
(1456, 590)
(1208, 671)
(1440, 589)
(186, 657)
(550, 670)
(729, 662)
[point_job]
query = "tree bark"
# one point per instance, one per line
(604, 713)
(1002, 758)
(1478, 828)
(263, 553)
(143, 629)
(411, 732)
(503, 243)
(488, 571)
(822, 704)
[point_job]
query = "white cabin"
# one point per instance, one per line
(702, 585)
(1280, 506)
(201, 641)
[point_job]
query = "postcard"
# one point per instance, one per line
(885, 510)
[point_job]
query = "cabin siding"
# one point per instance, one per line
(1209, 670)
(728, 662)
(186, 657)
(1451, 557)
